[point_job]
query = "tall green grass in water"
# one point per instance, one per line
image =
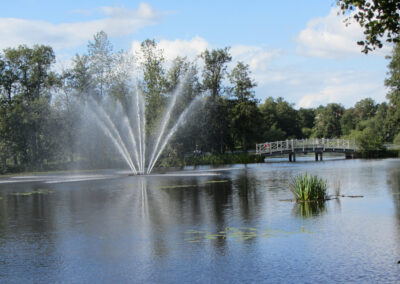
(306, 187)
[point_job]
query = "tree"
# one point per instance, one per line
(365, 109)
(214, 71)
(26, 121)
(380, 20)
(79, 78)
(396, 139)
(101, 62)
(348, 121)
(279, 120)
(217, 131)
(327, 121)
(183, 75)
(26, 72)
(306, 118)
(244, 112)
(154, 84)
(368, 142)
(393, 83)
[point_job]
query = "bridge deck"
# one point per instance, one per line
(317, 145)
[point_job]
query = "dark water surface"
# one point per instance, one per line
(202, 226)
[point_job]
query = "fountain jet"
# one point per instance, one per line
(130, 138)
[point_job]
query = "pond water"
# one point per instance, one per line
(204, 225)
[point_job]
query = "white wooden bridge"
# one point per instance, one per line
(304, 146)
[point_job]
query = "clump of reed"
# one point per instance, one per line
(306, 187)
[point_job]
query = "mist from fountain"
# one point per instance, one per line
(127, 129)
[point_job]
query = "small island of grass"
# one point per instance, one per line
(306, 188)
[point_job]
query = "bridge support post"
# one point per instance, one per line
(292, 157)
(316, 156)
(320, 156)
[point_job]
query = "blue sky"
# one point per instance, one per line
(299, 50)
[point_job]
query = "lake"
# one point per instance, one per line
(202, 225)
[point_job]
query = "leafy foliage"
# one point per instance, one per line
(245, 114)
(393, 83)
(380, 20)
(217, 116)
(327, 121)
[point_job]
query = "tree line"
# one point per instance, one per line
(39, 106)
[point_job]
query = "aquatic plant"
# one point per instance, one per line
(306, 187)
(337, 187)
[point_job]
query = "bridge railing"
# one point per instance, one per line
(306, 145)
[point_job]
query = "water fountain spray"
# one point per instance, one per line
(133, 147)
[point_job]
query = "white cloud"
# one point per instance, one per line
(116, 22)
(330, 37)
(257, 57)
(171, 49)
(345, 88)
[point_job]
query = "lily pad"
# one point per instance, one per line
(216, 181)
(176, 186)
(39, 191)
(240, 234)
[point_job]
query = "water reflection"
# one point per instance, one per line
(204, 228)
(310, 209)
(393, 181)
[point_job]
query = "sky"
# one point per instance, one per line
(299, 50)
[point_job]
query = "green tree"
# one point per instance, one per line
(214, 72)
(365, 109)
(396, 139)
(306, 118)
(327, 121)
(101, 63)
(348, 121)
(393, 83)
(154, 83)
(183, 74)
(74, 90)
(245, 113)
(78, 80)
(380, 20)
(368, 142)
(216, 120)
(279, 120)
(26, 121)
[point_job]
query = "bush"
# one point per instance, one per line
(308, 188)
(396, 139)
(221, 159)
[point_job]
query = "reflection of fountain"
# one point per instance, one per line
(126, 128)
(143, 187)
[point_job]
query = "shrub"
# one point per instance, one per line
(221, 159)
(396, 139)
(306, 187)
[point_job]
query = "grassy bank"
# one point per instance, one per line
(221, 159)
(376, 154)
